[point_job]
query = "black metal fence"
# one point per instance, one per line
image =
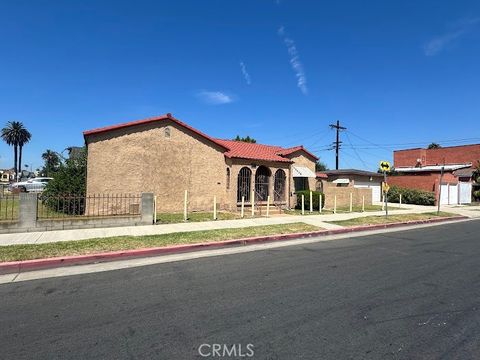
(92, 205)
(9, 205)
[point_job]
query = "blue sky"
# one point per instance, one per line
(398, 74)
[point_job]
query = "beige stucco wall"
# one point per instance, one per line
(343, 195)
(142, 159)
(300, 158)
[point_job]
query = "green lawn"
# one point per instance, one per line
(92, 246)
(371, 220)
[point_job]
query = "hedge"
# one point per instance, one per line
(411, 196)
(315, 198)
(476, 195)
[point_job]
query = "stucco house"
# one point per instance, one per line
(165, 156)
(354, 179)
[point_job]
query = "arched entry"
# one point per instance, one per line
(243, 184)
(262, 180)
(279, 185)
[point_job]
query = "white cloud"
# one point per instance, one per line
(215, 97)
(295, 62)
(438, 43)
(245, 73)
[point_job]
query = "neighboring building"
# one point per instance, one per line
(74, 152)
(345, 181)
(359, 179)
(7, 175)
(421, 169)
(165, 156)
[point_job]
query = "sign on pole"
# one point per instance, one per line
(385, 167)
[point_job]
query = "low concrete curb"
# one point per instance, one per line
(37, 264)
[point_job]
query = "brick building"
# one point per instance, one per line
(166, 156)
(421, 169)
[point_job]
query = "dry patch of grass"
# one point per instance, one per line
(372, 220)
(99, 245)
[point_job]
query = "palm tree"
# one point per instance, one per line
(24, 137)
(10, 134)
(52, 161)
(16, 135)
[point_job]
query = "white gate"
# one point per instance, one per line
(449, 194)
(465, 192)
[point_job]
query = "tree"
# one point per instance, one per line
(15, 134)
(476, 173)
(52, 162)
(434, 146)
(24, 137)
(70, 177)
(247, 139)
(320, 166)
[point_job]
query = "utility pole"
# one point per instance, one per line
(337, 142)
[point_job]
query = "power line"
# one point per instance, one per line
(355, 150)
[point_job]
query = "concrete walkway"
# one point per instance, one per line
(316, 220)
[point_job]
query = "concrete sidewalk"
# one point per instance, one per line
(317, 220)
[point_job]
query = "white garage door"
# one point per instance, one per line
(449, 195)
(465, 193)
(376, 189)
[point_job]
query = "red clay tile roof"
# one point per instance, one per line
(234, 149)
(321, 175)
(244, 150)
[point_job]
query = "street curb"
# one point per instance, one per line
(37, 264)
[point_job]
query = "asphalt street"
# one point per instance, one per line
(405, 295)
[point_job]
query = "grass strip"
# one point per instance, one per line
(172, 218)
(342, 209)
(373, 220)
(99, 245)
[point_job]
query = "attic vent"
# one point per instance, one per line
(167, 132)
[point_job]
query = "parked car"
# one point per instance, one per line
(31, 185)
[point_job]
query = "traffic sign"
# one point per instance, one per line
(385, 187)
(385, 166)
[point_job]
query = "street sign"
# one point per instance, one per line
(385, 166)
(385, 187)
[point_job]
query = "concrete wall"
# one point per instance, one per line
(343, 195)
(144, 159)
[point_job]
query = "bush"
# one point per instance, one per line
(411, 196)
(315, 195)
(476, 195)
(69, 180)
